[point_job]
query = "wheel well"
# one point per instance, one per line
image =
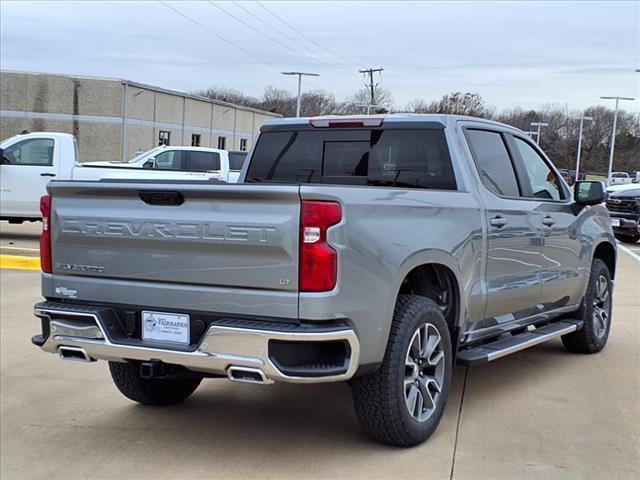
(606, 252)
(437, 282)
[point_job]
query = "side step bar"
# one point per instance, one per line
(506, 346)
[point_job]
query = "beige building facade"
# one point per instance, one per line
(116, 119)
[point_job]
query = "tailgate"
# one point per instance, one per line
(227, 237)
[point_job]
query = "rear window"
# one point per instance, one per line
(409, 158)
(203, 161)
(236, 160)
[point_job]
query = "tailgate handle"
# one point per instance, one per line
(161, 197)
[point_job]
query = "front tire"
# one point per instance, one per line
(162, 391)
(403, 401)
(595, 312)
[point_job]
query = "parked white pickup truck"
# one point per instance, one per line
(30, 161)
(619, 178)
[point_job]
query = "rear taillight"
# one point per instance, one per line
(45, 238)
(318, 260)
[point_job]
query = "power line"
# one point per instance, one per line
(300, 33)
(288, 37)
(220, 37)
(263, 33)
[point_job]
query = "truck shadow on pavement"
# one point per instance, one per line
(258, 419)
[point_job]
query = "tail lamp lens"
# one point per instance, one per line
(318, 260)
(45, 237)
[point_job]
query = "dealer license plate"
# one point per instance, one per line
(165, 327)
(615, 222)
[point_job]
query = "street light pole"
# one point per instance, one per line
(613, 133)
(539, 125)
(582, 119)
(300, 74)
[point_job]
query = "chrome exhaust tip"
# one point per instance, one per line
(76, 354)
(248, 375)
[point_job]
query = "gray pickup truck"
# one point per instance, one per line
(378, 250)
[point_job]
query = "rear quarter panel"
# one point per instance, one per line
(383, 235)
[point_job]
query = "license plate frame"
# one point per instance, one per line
(166, 327)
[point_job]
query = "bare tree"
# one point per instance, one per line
(229, 95)
(459, 103)
(559, 140)
(317, 102)
(354, 103)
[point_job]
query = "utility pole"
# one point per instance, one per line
(531, 134)
(300, 74)
(372, 86)
(613, 133)
(539, 125)
(582, 119)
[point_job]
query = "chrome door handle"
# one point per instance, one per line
(498, 222)
(548, 221)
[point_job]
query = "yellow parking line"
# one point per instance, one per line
(23, 249)
(19, 263)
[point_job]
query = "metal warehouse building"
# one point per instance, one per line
(116, 119)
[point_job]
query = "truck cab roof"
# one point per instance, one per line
(395, 119)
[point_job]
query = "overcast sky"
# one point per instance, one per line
(512, 53)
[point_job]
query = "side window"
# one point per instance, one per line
(544, 182)
(35, 151)
(203, 161)
(493, 162)
(170, 160)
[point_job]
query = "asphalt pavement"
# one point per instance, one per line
(539, 414)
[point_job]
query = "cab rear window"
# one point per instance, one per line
(409, 158)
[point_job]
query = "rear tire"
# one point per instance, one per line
(402, 403)
(162, 391)
(595, 312)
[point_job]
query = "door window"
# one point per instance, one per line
(170, 160)
(544, 182)
(35, 151)
(203, 161)
(493, 162)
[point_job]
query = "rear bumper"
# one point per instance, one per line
(278, 352)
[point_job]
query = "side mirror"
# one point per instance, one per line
(589, 193)
(149, 163)
(4, 161)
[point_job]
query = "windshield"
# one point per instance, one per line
(144, 154)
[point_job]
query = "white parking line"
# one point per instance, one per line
(629, 252)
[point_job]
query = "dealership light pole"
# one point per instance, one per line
(613, 133)
(539, 125)
(582, 119)
(300, 74)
